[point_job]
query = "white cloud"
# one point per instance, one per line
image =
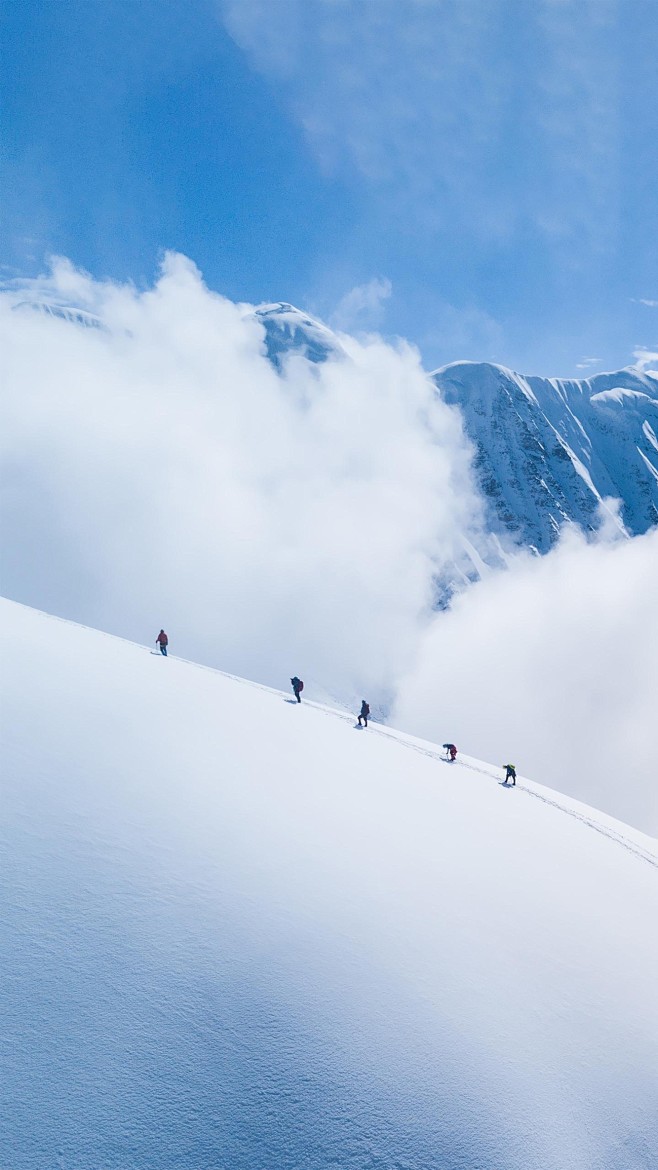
(362, 307)
(554, 666)
(645, 358)
(645, 301)
(588, 363)
(163, 473)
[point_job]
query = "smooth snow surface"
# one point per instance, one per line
(241, 934)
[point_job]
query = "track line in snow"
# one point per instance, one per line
(590, 822)
(619, 838)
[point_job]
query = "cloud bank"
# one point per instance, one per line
(553, 666)
(159, 472)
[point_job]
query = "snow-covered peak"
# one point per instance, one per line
(290, 331)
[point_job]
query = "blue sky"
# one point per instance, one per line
(479, 176)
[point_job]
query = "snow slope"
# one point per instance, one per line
(550, 450)
(239, 934)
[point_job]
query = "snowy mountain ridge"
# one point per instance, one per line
(241, 932)
(550, 450)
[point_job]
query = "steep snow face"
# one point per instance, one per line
(289, 331)
(549, 450)
(238, 932)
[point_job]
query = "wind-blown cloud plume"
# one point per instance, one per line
(160, 472)
(646, 359)
(553, 666)
(419, 100)
(361, 307)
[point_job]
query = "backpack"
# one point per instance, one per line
(366, 708)
(300, 685)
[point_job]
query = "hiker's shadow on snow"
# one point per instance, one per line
(359, 727)
(293, 701)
